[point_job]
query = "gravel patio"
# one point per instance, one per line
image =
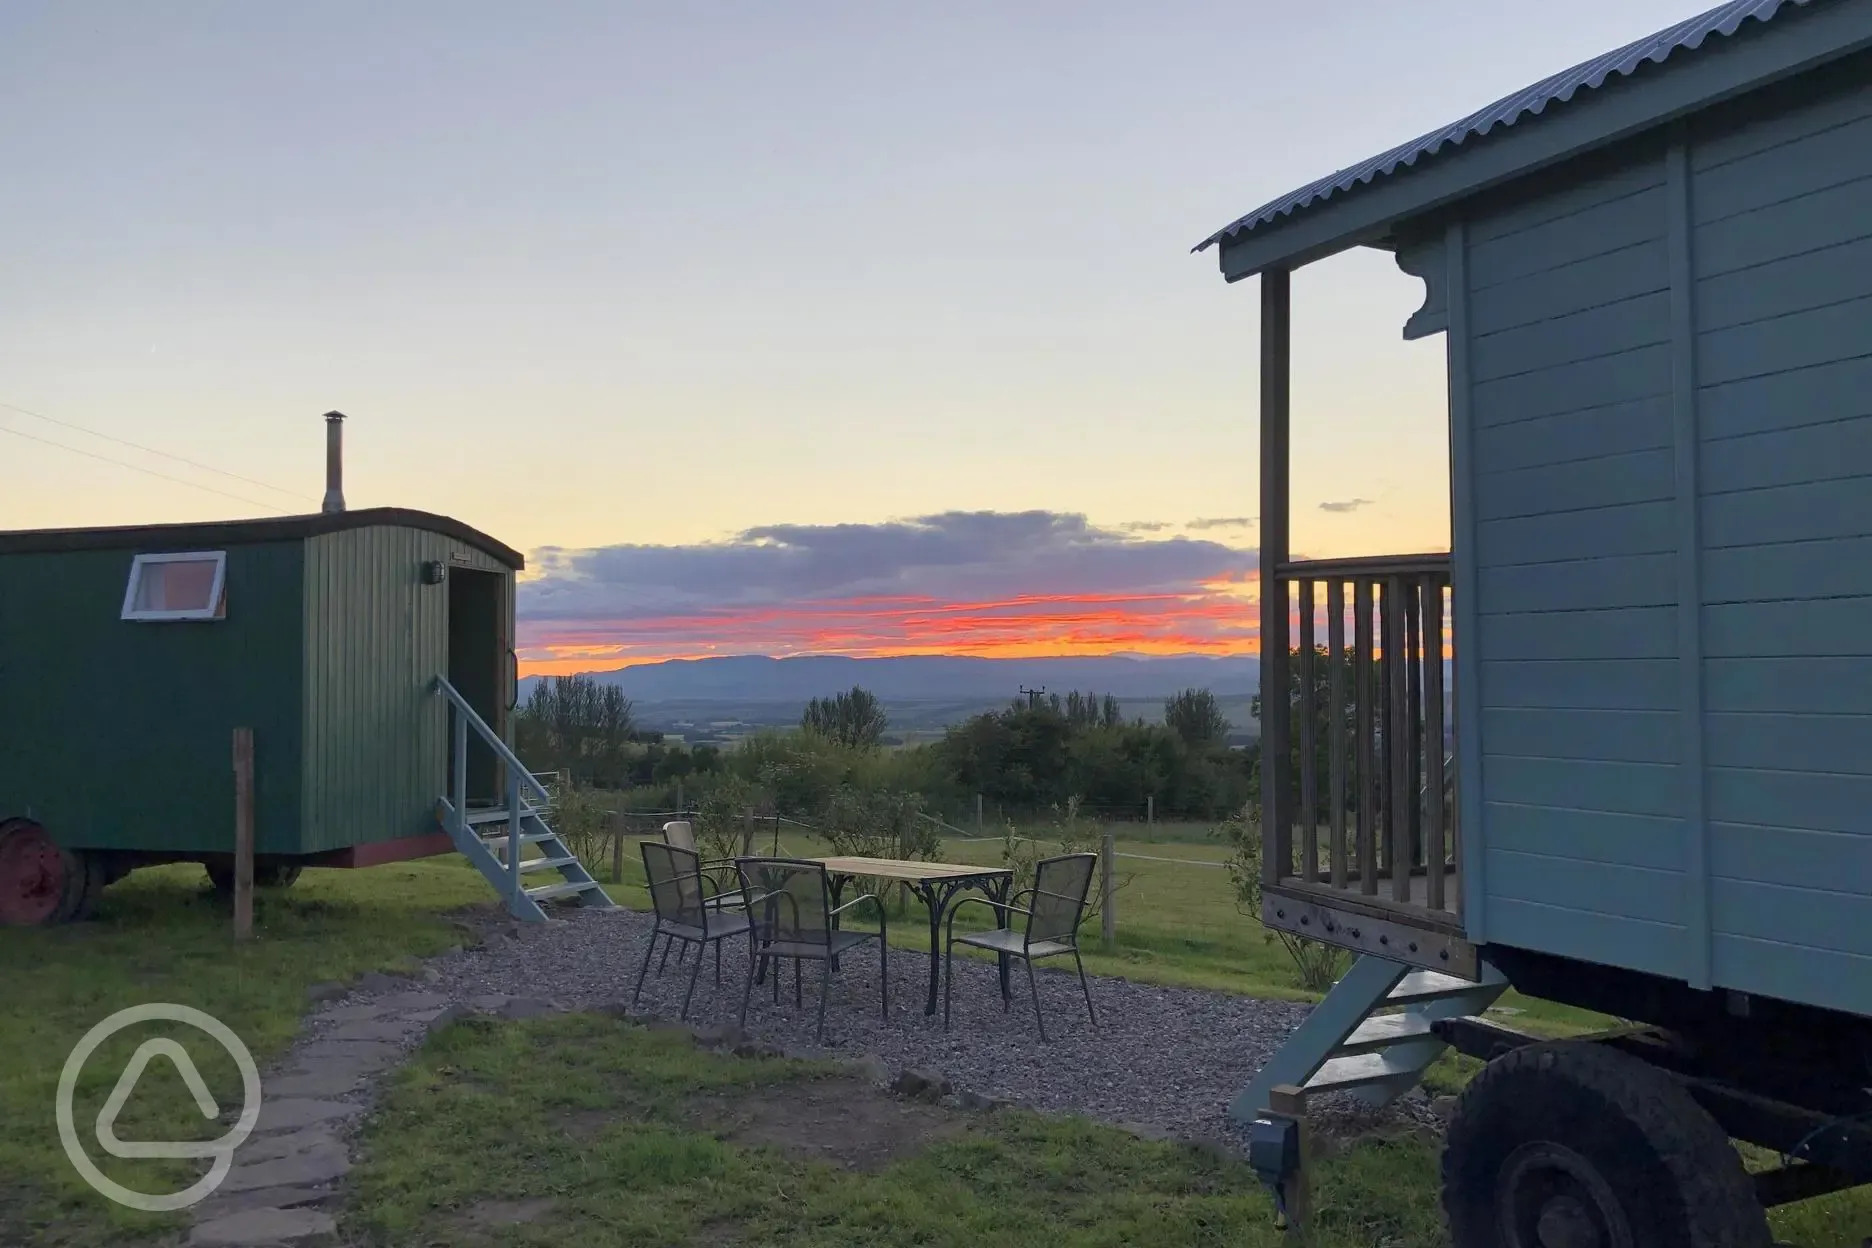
(1165, 1060)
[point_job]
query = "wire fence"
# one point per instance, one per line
(628, 823)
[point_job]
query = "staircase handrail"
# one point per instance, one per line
(516, 769)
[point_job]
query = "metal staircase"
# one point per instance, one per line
(1371, 1037)
(496, 841)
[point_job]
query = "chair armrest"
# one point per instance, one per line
(874, 900)
(861, 897)
(949, 926)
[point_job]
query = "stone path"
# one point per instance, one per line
(285, 1175)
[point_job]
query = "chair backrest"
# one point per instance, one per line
(680, 833)
(1059, 898)
(788, 899)
(675, 878)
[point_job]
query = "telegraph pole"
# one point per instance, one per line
(1033, 696)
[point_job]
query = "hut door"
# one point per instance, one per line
(477, 667)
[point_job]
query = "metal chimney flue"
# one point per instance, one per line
(334, 462)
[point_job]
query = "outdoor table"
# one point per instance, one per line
(936, 885)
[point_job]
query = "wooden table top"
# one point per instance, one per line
(905, 869)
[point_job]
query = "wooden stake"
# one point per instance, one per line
(617, 847)
(979, 825)
(243, 833)
(1108, 906)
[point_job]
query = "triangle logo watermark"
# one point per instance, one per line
(126, 1084)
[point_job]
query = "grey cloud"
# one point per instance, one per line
(1350, 504)
(1223, 522)
(952, 556)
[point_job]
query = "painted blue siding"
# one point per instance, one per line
(1666, 393)
(1569, 378)
(1781, 207)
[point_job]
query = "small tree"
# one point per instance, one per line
(1196, 716)
(1318, 965)
(853, 718)
(722, 816)
(1072, 834)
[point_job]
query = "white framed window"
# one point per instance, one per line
(188, 585)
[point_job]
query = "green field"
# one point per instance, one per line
(162, 937)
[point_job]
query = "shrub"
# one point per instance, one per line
(581, 815)
(1317, 966)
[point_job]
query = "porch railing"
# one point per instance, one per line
(1368, 769)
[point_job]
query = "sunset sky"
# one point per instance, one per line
(761, 328)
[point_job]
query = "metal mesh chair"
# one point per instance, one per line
(684, 901)
(1056, 908)
(720, 871)
(790, 904)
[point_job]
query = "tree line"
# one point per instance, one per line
(1033, 755)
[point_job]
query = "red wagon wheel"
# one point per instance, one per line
(33, 875)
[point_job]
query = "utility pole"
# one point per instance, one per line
(1033, 696)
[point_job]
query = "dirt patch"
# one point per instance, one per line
(584, 1124)
(486, 1214)
(846, 1122)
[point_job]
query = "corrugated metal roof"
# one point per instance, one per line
(1531, 102)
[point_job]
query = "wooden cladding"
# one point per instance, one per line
(1367, 764)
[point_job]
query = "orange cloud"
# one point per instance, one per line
(1021, 626)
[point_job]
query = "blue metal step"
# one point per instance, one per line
(530, 798)
(1359, 1041)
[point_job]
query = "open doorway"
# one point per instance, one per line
(477, 667)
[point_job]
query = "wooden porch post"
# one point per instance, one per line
(1276, 801)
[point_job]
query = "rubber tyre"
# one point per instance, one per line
(35, 876)
(1663, 1163)
(266, 875)
(86, 875)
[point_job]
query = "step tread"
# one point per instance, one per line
(526, 838)
(1383, 1030)
(477, 817)
(546, 864)
(560, 890)
(1430, 986)
(1358, 1071)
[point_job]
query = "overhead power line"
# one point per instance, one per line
(140, 468)
(148, 450)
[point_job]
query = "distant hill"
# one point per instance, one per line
(752, 679)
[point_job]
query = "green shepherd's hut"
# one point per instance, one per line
(368, 655)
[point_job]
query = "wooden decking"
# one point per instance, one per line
(1417, 892)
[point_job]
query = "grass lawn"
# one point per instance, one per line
(618, 1127)
(162, 937)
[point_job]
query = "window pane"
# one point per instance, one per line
(180, 586)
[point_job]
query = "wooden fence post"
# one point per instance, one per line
(679, 802)
(747, 835)
(617, 847)
(1108, 911)
(243, 833)
(1150, 811)
(980, 827)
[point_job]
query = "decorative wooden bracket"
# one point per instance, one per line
(1424, 259)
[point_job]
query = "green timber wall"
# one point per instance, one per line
(376, 736)
(119, 735)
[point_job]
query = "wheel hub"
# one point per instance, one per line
(1549, 1196)
(32, 876)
